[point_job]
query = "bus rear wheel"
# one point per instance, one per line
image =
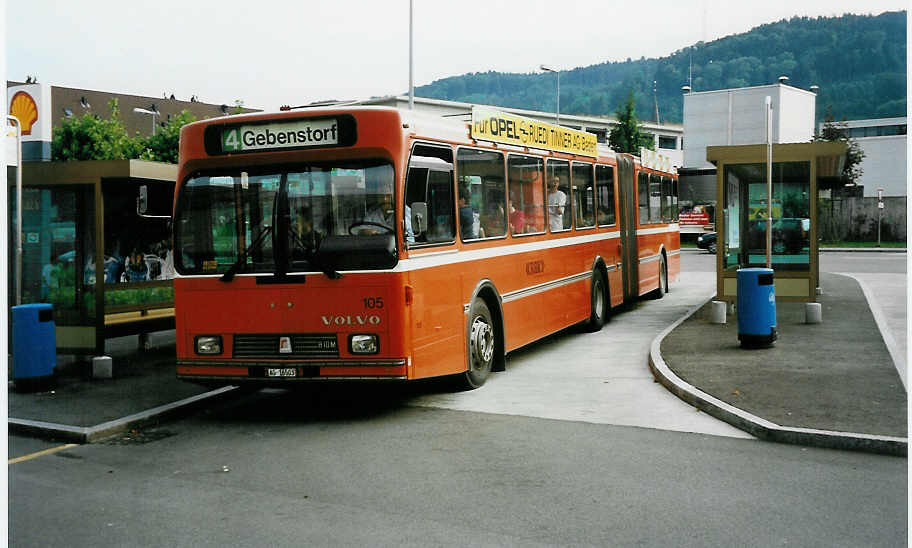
(481, 336)
(599, 306)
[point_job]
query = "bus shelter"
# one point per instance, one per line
(799, 170)
(86, 249)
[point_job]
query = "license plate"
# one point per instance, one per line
(281, 372)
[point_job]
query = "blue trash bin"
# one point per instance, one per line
(34, 343)
(756, 307)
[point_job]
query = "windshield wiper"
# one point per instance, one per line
(255, 244)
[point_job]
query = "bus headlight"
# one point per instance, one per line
(209, 344)
(363, 344)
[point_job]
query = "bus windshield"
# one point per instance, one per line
(275, 221)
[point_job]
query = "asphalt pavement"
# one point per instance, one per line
(832, 384)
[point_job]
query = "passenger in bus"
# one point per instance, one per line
(466, 218)
(517, 217)
(557, 200)
(494, 221)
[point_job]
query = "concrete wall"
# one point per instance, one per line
(855, 219)
(884, 165)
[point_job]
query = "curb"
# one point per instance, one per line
(90, 434)
(756, 426)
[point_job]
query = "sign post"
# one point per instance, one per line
(15, 122)
(880, 207)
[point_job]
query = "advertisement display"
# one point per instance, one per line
(500, 127)
(31, 105)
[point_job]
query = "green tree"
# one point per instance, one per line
(163, 146)
(626, 135)
(838, 131)
(851, 172)
(92, 138)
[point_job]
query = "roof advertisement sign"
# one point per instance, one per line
(500, 127)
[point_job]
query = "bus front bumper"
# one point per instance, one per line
(282, 372)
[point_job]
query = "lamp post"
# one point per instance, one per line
(546, 68)
(15, 122)
(411, 101)
(153, 113)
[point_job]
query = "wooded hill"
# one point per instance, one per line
(858, 61)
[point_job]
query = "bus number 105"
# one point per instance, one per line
(373, 302)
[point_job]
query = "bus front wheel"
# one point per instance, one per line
(481, 337)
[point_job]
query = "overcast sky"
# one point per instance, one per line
(269, 52)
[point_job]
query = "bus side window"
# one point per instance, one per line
(655, 198)
(434, 189)
(482, 194)
(441, 226)
(559, 204)
(604, 179)
(667, 206)
(526, 205)
(643, 197)
(583, 195)
(416, 191)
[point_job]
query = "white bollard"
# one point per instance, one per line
(813, 313)
(718, 311)
(102, 367)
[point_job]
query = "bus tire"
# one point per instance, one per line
(481, 337)
(660, 291)
(600, 305)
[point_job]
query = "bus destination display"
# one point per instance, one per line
(297, 134)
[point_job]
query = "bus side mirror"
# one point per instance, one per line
(142, 204)
(419, 217)
(142, 201)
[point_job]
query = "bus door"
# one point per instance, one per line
(627, 198)
(437, 314)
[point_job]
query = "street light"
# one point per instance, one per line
(546, 68)
(153, 113)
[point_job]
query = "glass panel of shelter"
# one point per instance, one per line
(57, 251)
(745, 216)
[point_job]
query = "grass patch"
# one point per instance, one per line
(892, 245)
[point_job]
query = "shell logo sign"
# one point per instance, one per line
(24, 108)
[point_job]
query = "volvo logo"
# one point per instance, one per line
(355, 319)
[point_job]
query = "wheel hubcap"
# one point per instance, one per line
(482, 342)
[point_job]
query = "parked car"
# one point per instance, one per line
(707, 241)
(790, 235)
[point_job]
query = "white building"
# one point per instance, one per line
(668, 138)
(738, 117)
(884, 143)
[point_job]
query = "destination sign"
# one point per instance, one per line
(279, 135)
(500, 127)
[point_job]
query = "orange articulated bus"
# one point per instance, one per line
(374, 243)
